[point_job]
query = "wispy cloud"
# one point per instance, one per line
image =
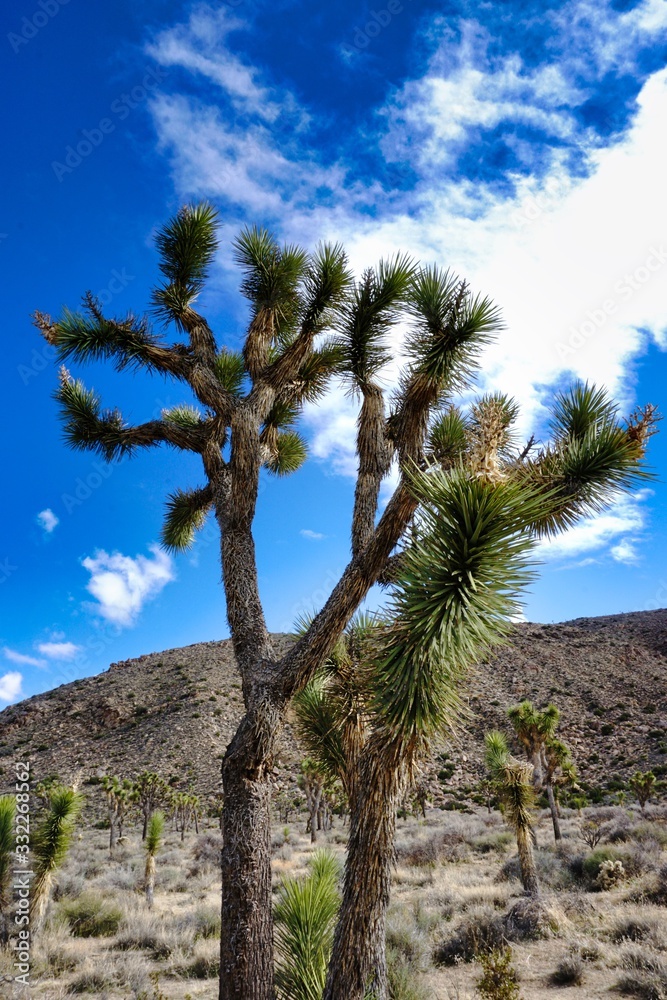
(23, 658)
(10, 686)
(59, 650)
(123, 585)
(602, 531)
(47, 520)
(314, 536)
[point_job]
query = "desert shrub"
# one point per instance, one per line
(611, 873)
(644, 976)
(91, 915)
(590, 866)
(499, 980)
(638, 927)
(144, 931)
(656, 890)
(448, 845)
(207, 848)
(497, 840)
(480, 932)
(402, 982)
(204, 963)
(92, 977)
(206, 923)
(406, 942)
(553, 870)
(529, 919)
(569, 971)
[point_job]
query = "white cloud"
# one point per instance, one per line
(123, 585)
(626, 516)
(59, 650)
(314, 536)
(575, 259)
(624, 552)
(11, 654)
(47, 520)
(10, 686)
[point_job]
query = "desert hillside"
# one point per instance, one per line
(175, 711)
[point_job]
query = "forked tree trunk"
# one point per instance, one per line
(358, 965)
(554, 811)
(527, 862)
(246, 946)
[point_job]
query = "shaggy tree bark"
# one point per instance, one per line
(527, 862)
(553, 808)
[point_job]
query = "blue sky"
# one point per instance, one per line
(520, 143)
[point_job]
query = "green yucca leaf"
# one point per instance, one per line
(584, 407)
(185, 514)
(457, 595)
(272, 275)
(54, 834)
(447, 438)
(92, 337)
(230, 371)
(187, 245)
(7, 845)
(154, 834)
(372, 308)
(305, 915)
(326, 280)
(319, 726)
(86, 425)
(290, 455)
(186, 417)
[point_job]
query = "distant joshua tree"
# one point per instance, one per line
(458, 472)
(550, 757)
(643, 785)
(149, 791)
(118, 795)
(152, 845)
(513, 781)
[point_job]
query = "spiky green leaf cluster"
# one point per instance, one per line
(230, 371)
(185, 514)
(319, 727)
(513, 781)
(371, 310)
(326, 279)
(448, 438)
(54, 833)
(457, 594)
(7, 845)
(87, 426)
(291, 452)
(154, 833)
(90, 336)
(305, 915)
(272, 276)
(187, 246)
(184, 416)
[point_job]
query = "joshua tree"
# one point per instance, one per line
(312, 781)
(149, 791)
(7, 856)
(118, 795)
(559, 770)
(50, 845)
(549, 756)
(250, 402)
(305, 916)
(513, 780)
(643, 785)
(152, 846)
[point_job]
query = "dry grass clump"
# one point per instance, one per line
(144, 931)
(480, 932)
(203, 963)
(640, 925)
(569, 971)
(644, 975)
(91, 915)
(208, 848)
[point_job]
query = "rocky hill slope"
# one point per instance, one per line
(175, 711)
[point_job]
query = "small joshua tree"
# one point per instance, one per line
(152, 845)
(118, 796)
(513, 781)
(7, 845)
(50, 845)
(643, 785)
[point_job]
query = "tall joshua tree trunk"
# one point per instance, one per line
(358, 961)
(553, 808)
(527, 861)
